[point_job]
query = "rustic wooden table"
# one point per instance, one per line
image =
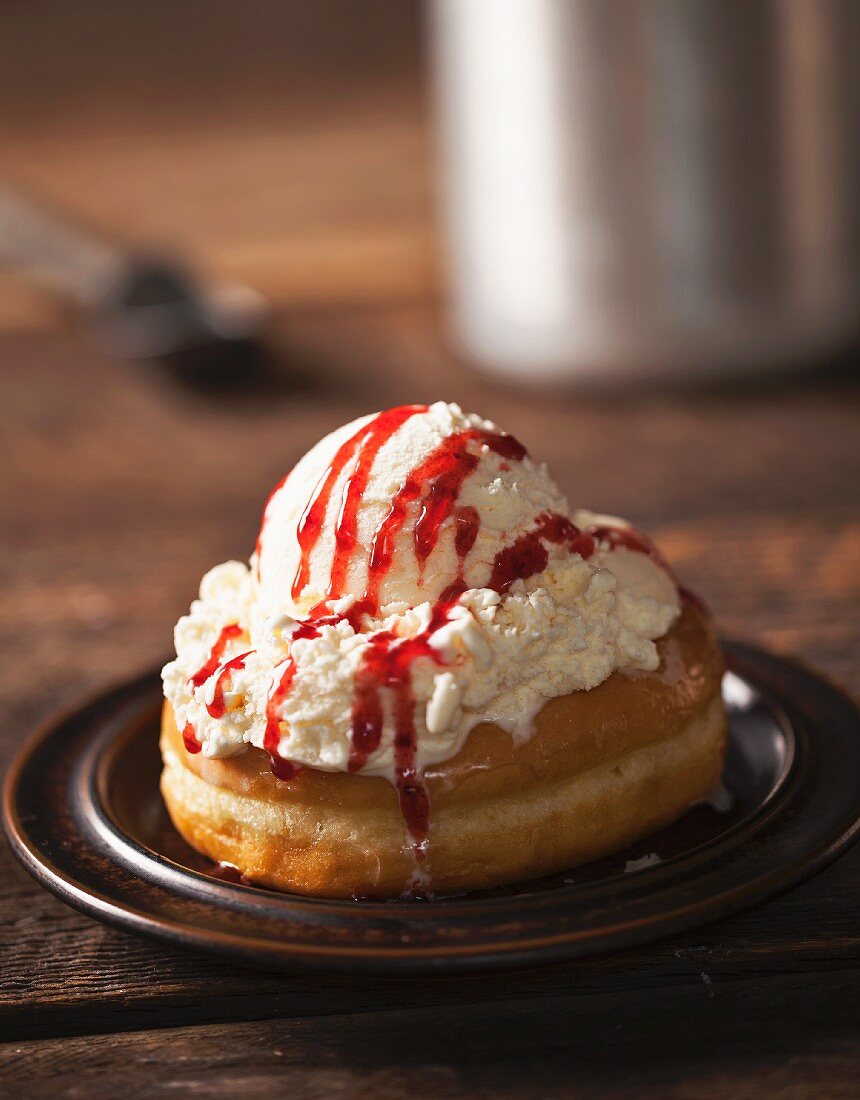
(118, 491)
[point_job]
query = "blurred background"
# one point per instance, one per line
(629, 232)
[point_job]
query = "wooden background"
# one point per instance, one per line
(288, 146)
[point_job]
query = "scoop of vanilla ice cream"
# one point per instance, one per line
(507, 493)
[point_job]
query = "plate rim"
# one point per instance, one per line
(407, 958)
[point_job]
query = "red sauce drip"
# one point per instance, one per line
(366, 720)
(453, 592)
(628, 539)
(218, 707)
(366, 442)
(446, 468)
(467, 524)
(190, 739)
(504, 445)
(528, 555)
(387, 663)
(414, 800)
(283, 769)
(377, 433)
(216, 654)
(440, 500)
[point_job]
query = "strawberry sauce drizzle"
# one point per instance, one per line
(366, 444)
(218, 707)
(378, 433)
(284, 769)
(446, 468)
(467, 524)
(387, 663)
(211, 665)
(528, 555)
(189, 738)
(628, 538)
(216, 654)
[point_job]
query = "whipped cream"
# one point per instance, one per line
(375, 603)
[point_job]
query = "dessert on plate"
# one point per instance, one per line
(434, 676)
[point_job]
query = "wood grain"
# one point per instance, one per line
(310, 180)
(591, 1045)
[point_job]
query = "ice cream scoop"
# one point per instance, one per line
(396, 508)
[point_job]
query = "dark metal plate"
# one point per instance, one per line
(83, 814)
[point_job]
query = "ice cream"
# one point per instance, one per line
(415, 574)
(434, 493)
